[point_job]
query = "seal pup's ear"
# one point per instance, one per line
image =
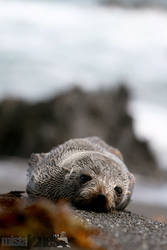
(128, 194)
(132, 180)
(36, 164)
(35, 159)
(116, 152)
(104, 146)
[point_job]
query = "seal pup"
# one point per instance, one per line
(86, 171)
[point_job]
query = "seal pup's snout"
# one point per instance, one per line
(101, 199)
(95, 201)
(100, 202)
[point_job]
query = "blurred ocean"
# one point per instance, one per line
(46, 46)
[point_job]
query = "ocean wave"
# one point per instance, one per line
(46, 46)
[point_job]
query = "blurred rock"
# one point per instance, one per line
(136, 3)
(27, 127)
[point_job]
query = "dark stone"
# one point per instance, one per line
(28, 127)
(135, 3)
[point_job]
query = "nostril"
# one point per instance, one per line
(101, 198)
(100, 203)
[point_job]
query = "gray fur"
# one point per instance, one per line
(56, 175)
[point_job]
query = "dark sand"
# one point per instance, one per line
(150, 211)
(128, 230)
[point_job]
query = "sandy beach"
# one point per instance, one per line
(129, 231)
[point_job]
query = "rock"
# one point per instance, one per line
(37, 127)
(135, 3)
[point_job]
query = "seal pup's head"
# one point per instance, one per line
(97, 182)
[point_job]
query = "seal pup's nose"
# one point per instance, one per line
(101, 199)
(100, 202)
